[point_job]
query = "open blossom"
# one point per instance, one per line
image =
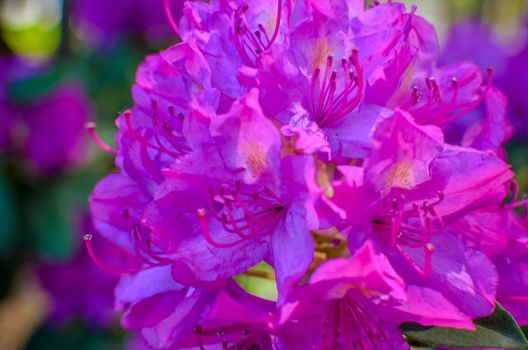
(325, 74)
(358, 303)
(253, 205)
(405, 200)
(323, 139)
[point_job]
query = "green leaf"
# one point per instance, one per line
(54, 211)
(50, 224)
(32, 88)
(7, 215)
(498, 330)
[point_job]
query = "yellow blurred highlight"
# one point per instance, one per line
(31, 27)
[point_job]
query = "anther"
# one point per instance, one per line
(454, 83)
(329, 61)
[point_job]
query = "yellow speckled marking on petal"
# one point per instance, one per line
(340, 290)
(400, 175)
(255, 159)
(270, 24)
(319, 54)
(407, 78)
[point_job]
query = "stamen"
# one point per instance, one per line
(183, 149)
(332, 106)
(202, 217)
(439, 112)
(170, 17)
(254, 42)
(475, 103)
(88, 243)
(245, 214)
(143, 247)
(198, 332)
(348, 325)
(97, 140)
(413, 228)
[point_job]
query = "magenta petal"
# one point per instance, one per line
(429, 307)
(467, 278)
(513, 283)
(366, 268)
(472, 176)
(179, 321)
(403, 152)
(494, 130)
(145, 284)
(114, 205)
(292, 247)
(352, 136)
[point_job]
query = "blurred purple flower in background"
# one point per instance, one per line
(514, 84)
(78, 288)
(103, 22)
(56, 135)
(49, 131)
(476, 41)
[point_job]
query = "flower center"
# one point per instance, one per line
(163, 136)
(246, 213)
(411, 227)
(251, 44)
(348, 326)
(335, 95)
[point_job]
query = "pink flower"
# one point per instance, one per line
(409, 199)
(359, 303)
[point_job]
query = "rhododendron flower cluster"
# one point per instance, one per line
(320, 138)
